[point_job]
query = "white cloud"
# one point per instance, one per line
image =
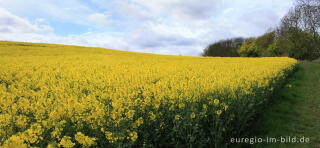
(226, 11)
(133, 10)
(68, 11)
(99, 19)
(15, 28)
(182, 10)
(10, 23)
(158, 26)
(262, 18)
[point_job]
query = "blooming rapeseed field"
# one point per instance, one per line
(68, 96)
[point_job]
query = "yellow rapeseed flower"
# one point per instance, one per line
(134, 136)
(181, 105)
(192, 115)
(66, 142)
(204, 106)
(225, 107)
(152, 116)
(216, 101)
(85, 140)
(219, 112)
(177, 117)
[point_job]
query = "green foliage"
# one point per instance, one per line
(224, 48)
(293, 42)
(274, 50)
(249, 48)
(263, 42)
(300, 44)
(279, 48)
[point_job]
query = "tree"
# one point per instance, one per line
(224, 48)
(300, 28)
(303, 44)
(297, 36)
(310, 15)
(296, 43)
(249, 48)
(275, 50)
(305, 15)
(263, 42)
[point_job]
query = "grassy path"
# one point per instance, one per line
(295, 111)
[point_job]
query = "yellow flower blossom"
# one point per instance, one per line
(219, 112)
(225, 107)
(130, 114)
(181, 105)
(15, 141)
(216, 101)
(192, 115)
(204, 106)
(177, 117)
(84, 140)
(134, 136)
(152, 116)
(66, 142)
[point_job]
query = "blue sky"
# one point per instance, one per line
(178, 27)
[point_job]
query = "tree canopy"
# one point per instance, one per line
(296, 36)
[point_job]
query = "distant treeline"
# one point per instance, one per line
(297, 36)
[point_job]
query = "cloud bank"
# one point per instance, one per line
(160, 26)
